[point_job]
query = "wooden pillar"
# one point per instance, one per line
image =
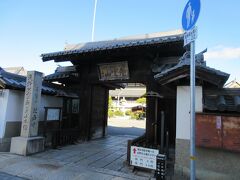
(85, 93)
(106, 113)
(150, 116)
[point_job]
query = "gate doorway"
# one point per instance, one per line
(127, 110)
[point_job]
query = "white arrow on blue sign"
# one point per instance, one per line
(190, 14)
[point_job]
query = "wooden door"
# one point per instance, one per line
(98, 112)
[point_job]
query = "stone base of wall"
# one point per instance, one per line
(13, 129)
(5, 144)
(210, 163)
(27, 145)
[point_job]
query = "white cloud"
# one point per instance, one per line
(222, 52)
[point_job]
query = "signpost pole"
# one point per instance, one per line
(192, 110)
(189, 18)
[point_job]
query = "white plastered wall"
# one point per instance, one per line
(15, 105)
(183, 110)
(3, 109)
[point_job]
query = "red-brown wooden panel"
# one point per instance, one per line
(208, 131)
(231, 133)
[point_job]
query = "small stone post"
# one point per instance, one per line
(29, 142)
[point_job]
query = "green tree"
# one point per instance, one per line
(110, 107)
(141, 100)
(110, 102)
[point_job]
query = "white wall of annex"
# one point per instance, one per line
(3, 110)
(15, 106)
(183, 110)
(16, 101)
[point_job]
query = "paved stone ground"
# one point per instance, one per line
(125, 126)
(98, 159)
(4, 176)
(126, 122)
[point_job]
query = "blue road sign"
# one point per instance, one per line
(190, 14)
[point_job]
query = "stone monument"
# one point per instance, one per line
(29, 142)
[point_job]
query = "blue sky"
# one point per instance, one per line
(29, 28)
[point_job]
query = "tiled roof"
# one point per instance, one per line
(62, 72)
(233, 84)
(149, 39)
(63, 77)
(225, 100)
(14, 81)
(181, 70)
(16, 70)
(56, 76)
(9, 79)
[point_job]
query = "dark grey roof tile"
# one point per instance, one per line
(114, 44)
(13, 81)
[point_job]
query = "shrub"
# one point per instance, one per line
(110, 113)
(118, 113)
(138, 115)
(128, 113)
(134, 115)
(141, 100)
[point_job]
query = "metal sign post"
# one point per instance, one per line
(192, 131)
(189, 19)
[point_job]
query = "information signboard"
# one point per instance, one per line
(113, 71)
(144, 157)
(53, 114)
(190, 36)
